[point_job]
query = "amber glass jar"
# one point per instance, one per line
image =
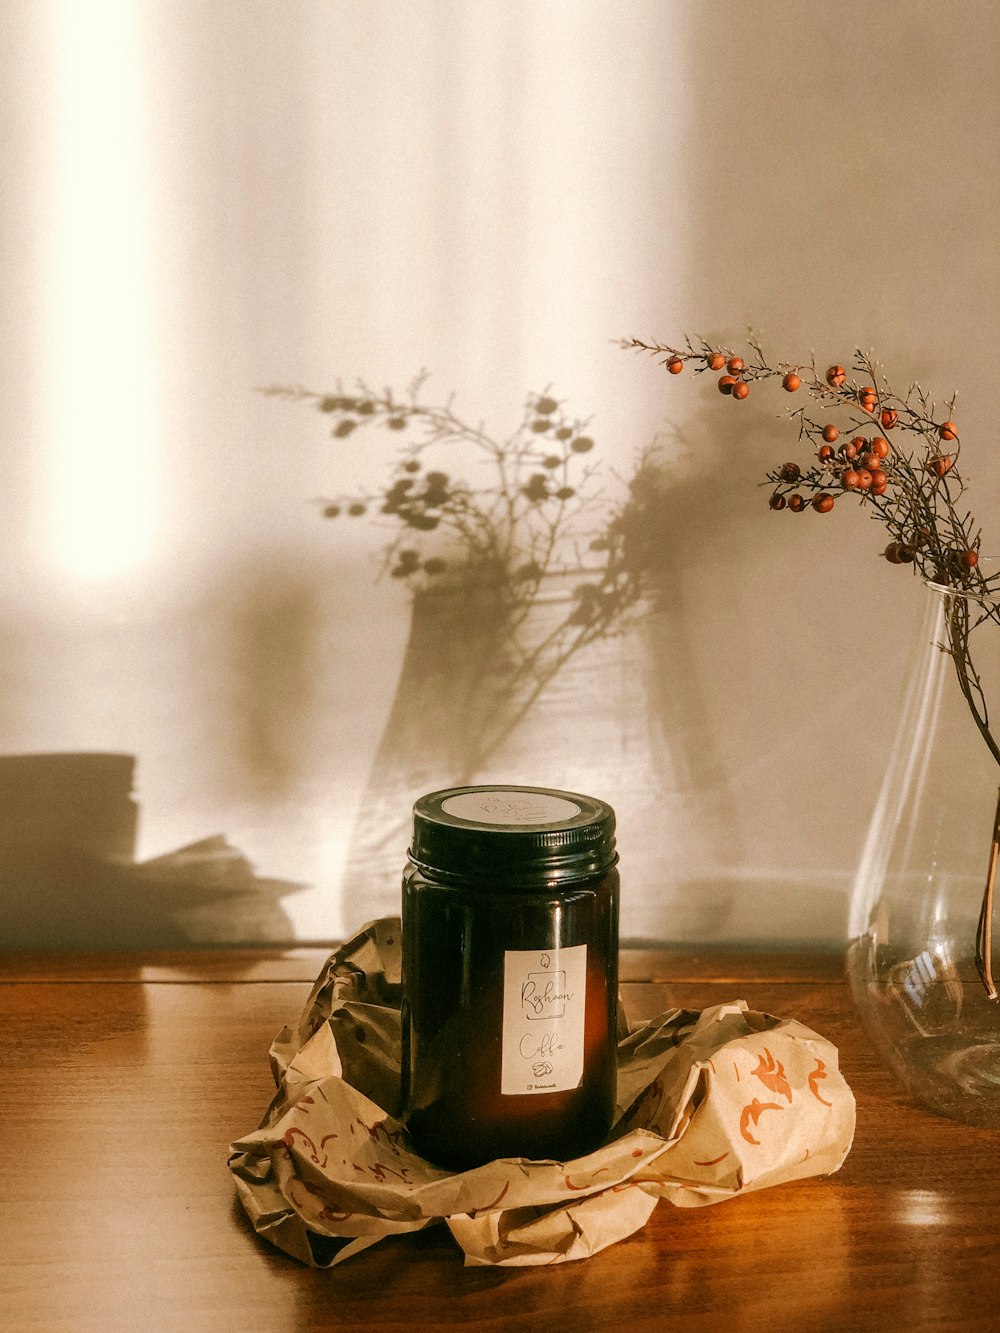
(510, 974)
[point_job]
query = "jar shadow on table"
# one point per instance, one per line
(670, 1268)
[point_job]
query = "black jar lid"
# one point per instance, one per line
(510, 836)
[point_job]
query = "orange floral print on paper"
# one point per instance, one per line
(771, 1073)
(489, 1207)
(754, 1112)
(818, 1073)
(713, 1161)
(587, 1183)
(314, 1152)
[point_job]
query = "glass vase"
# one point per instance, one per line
(917, 907)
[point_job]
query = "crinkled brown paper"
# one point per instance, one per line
(710, 1104)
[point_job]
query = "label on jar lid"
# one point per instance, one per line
(503, 806)
(544, 1009)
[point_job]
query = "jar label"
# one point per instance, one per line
(544, 1009)
(501, 805)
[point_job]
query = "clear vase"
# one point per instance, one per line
(918, 898)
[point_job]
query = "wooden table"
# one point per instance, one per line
(127, 1076)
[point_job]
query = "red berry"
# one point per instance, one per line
(970, 559)
(790, 472)
(726, 384)
(849, 479)
(864, 479)
(824, 453)
(777, 501)
(675, 365)
(880, 446)
(849, 451)
(879, 483)
(948, 430)
(735, 364)
(823, 503)
(791, 382)
(716, 361)
(796, 503)
(836, 376)
(939, 464)
(830, 433)
(741, 389)
(888, 418)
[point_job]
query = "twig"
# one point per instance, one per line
(984, 935)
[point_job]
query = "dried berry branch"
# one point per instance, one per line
(897, 455)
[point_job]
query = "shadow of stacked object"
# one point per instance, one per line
(69, 878)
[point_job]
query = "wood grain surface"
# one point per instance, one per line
(126, 1077)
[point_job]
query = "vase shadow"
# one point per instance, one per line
(620, 718)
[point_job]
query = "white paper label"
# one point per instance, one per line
(544, 1009)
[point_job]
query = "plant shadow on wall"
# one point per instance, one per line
(69, 878)
(549, 639)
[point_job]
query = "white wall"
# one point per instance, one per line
(204, 198)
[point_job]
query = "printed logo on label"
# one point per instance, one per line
(544, 1012)
(544, 994)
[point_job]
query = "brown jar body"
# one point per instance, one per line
(475, 961)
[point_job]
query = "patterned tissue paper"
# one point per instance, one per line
(711, 1104)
